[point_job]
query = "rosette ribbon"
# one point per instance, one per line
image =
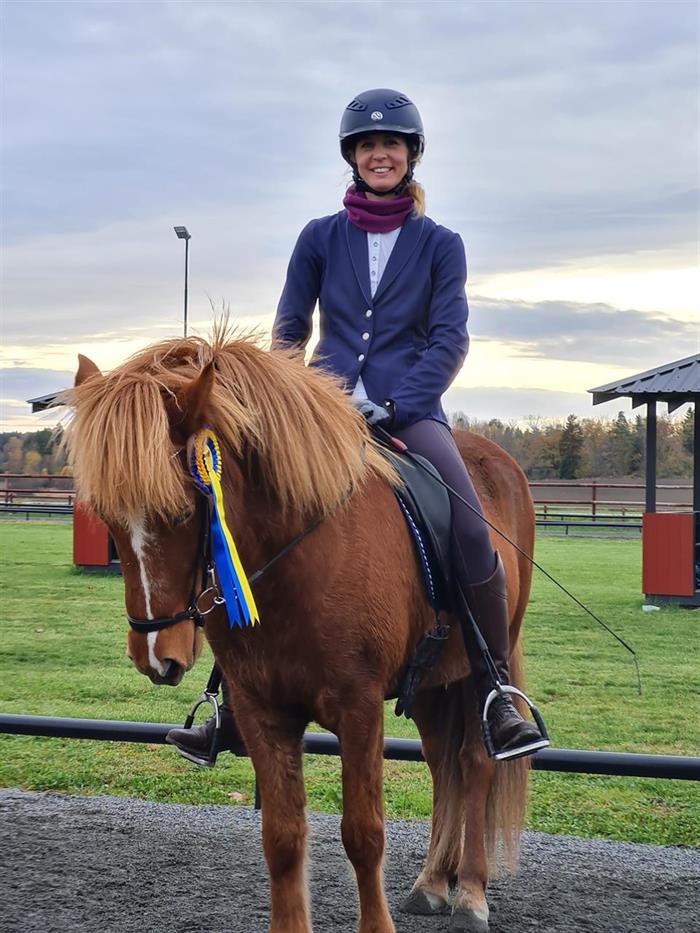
(205, 467)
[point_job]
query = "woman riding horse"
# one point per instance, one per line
(390, 286)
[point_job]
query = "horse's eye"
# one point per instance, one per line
(183, 518)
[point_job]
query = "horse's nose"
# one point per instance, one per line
(173, 672)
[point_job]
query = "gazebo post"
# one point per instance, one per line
(650, 467)
(670, 539)
(696, 459)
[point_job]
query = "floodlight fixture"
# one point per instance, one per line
(183, 234)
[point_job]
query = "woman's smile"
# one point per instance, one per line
(382, 160)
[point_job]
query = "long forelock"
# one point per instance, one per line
(123, 458)
(311, 447)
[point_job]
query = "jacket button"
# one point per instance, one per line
(365, 336)
(368, 312)
(360, 358)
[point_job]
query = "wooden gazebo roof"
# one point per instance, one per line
(675, 383)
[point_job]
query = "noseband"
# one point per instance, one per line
(203, 571)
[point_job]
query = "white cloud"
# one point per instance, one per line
(562, 145)
(567, 330)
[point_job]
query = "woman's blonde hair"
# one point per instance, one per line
(417, 192)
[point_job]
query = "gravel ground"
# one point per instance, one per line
(111, 865)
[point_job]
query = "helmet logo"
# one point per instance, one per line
(376, 115)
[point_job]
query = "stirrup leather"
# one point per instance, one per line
(520, 750)
(209, 759)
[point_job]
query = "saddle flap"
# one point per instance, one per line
(425, 505)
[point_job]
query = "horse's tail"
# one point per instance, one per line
(507, 800)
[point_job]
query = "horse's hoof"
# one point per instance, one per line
(466, 920)
(424, 904)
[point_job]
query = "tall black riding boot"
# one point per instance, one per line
(512, 736)
(201, 744)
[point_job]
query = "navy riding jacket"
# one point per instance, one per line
(410, 340)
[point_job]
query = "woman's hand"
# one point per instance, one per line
(374, 414)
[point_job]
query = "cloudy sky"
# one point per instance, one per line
(562, 144)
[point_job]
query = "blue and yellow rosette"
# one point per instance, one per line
(205, 467)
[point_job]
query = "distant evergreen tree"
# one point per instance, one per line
(570, 449)
(639, 433)
(688, 430)
(620, 447)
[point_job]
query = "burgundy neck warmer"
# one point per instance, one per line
(376, 216)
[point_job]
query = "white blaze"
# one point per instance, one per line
(139, 541)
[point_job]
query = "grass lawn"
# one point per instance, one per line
(62, 653)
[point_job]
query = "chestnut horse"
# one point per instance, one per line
(341, 612)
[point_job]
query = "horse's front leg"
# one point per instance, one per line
(361, 735)
(274, 743)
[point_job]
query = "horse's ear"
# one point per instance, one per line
(86, 370)
(187, 410)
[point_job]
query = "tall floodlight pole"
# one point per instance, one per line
(182, 234)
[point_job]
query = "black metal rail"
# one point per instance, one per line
(588, 516)
(35, 509)
(560, 522)
(630, 526)
(576, 761)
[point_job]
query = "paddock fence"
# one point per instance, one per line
(593, 505)
(32, 508)
(31, 494)
(571, 505)
(570, 760)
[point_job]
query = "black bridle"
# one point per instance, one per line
(204, 571)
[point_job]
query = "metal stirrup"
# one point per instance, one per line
(520, 750)
(210, 696)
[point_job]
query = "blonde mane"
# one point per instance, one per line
(311, 446)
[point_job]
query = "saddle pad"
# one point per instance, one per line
(425, 505)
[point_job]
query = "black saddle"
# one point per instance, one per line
(425, 504)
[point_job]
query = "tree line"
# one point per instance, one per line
(561, 450)
(591, 448)
(32, 452)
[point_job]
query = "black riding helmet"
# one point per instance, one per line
(381, 110)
